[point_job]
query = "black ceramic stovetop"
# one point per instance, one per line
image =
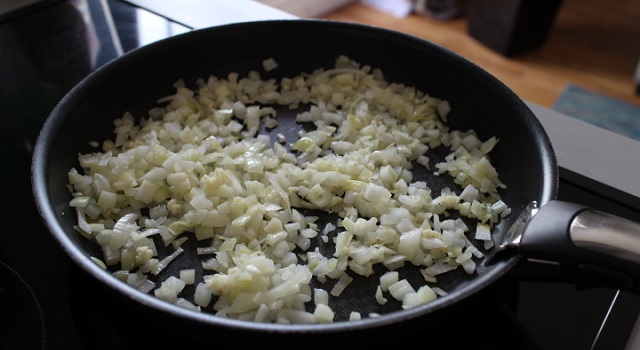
(47, 303)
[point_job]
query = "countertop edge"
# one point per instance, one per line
(592, 152)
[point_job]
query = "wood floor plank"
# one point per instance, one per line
(594, 44)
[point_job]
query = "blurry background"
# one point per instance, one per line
(592, 43)
(585, 64)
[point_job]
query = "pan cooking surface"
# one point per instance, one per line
(523, 156)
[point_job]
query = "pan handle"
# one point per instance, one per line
(592, 248)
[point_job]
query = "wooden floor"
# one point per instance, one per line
(593, 43)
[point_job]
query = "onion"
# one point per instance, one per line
(197, 164)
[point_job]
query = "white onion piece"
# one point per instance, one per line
(164, 262)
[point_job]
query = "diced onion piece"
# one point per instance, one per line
(388, 279)
(202, 295)
(188, 276)
(269, 64)
(169, 289)
(483, 232)
(354, 316)
(342, 283)
(320, 296)
(164, 262)
(399, 289)
(380, 297)
(323, 313)
(187, 304)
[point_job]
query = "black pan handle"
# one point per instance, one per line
(592, 248)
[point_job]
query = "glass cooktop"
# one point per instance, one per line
(48, 46)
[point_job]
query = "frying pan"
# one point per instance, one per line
(589, 245)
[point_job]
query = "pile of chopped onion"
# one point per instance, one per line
(199, 164)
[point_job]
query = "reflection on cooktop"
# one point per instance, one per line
(26, 328)
(123, 326)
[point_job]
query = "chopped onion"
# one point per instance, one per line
(164, 262)
(198, 164)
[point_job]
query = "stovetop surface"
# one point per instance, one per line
(46, 302)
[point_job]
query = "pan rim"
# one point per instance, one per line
(53, 123)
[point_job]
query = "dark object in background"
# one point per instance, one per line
(441, 10)
(511, 27)
(31, 80)
(444, 9)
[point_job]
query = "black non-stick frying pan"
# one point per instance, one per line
(523, 157)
